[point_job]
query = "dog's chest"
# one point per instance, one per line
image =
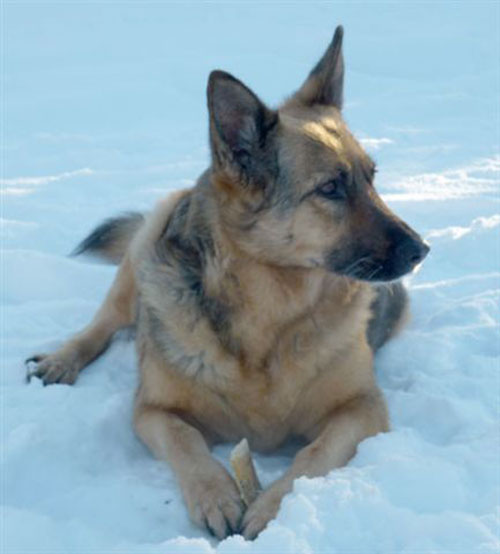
(294, 386)
(266, 375)
(257, 405)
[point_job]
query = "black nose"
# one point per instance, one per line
(421, 250)
(411, 250)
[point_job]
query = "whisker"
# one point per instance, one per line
(374, 272)
(352, 268)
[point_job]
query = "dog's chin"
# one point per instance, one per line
(383, 272)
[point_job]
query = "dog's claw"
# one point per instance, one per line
(36, 358)
(209, 528)
(214, 503)
(229, 527)
(51, 369)
(218, 525)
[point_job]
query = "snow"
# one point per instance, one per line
(104, 111)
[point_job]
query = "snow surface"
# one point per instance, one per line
(104, 111)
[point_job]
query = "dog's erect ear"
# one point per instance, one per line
(239, 121)
(325, 84)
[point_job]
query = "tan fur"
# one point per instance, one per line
(245, 327)
(279, 326)
(282, 383)
(280, 386)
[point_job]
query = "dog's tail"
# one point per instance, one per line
(111, 238)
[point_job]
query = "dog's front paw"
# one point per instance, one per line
(214, 502)
(52, 368)
(261, 512)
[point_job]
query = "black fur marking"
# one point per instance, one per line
(186, 247)
(387, 308)
(192, 364)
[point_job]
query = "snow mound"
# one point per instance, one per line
(105, 112)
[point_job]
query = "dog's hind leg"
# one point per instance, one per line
(210, 493)
(117, 311)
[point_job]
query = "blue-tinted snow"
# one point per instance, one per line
(104, 111)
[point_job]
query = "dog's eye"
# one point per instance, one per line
(335, 189)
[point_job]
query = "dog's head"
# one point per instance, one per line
(295, 188)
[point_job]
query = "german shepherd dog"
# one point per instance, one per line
(259, 297)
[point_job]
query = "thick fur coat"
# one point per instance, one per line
(259, 297)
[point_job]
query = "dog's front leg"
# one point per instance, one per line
(210, 493)
(333, 447)
(117, 311)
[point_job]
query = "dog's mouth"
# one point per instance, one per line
(367, 267)
(364, 268)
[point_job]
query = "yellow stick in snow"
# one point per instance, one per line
(244, 471)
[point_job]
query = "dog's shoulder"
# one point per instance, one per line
(155, 224)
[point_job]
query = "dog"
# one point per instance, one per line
(259, 297)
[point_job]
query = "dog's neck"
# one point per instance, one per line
(264, 300)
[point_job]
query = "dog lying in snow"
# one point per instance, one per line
(259, 295)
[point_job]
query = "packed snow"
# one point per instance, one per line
(104, 111)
